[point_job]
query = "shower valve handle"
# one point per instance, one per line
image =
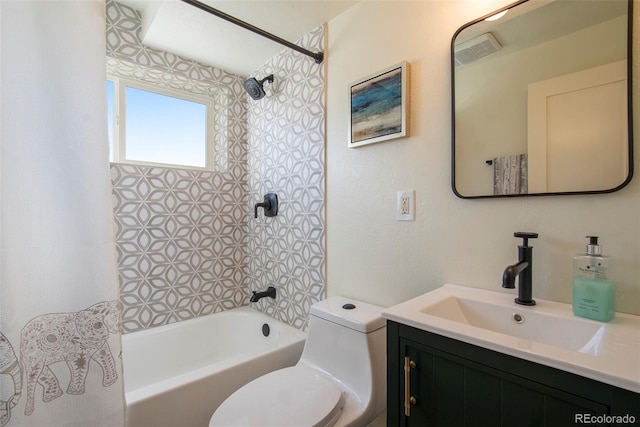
(269, 204)
(266, 205)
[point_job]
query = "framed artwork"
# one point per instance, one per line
(379, 106)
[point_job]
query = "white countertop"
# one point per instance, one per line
(613, 359)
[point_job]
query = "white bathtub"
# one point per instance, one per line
(178, 374)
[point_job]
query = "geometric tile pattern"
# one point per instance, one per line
(286, 156)
(180, 234)
(180, 242)
(187, 242)
(123, 42)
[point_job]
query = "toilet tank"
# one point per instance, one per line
(349, 344)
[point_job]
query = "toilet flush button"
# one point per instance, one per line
(348, 306)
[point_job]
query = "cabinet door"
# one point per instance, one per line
(527, 403)
(451, 391)
(447, 393)
(417, 386)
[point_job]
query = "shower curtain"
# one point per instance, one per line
(60, 361)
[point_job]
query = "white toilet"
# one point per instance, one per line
(340, 379)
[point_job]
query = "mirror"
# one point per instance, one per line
(542, 100)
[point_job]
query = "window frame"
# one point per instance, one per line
(119, 149)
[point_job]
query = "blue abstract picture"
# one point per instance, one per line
(377, 107)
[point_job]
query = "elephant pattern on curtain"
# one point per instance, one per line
(60, 344)
(74, 338)
(9, 365)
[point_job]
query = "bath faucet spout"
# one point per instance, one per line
(522, 270)
(257, 296)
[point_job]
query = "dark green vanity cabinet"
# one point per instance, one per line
(448, 383)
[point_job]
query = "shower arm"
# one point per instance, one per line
(318, 57)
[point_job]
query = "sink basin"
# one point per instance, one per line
(565, 332)
(547, 333)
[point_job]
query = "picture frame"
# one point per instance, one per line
(378, 106)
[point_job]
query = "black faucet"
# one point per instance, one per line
(270, 292)
(522, 270)
(269, 204)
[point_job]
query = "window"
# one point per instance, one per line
(159, 126)
(110, 114)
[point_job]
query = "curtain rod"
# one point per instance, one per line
(318, 57)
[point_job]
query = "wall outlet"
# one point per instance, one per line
(406, 205)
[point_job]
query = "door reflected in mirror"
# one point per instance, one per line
(541, 100)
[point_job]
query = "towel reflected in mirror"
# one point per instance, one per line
(510, 174)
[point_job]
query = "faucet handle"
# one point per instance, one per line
(270, 205)
(525, 236)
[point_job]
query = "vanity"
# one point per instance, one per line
(528, 119)
(460, 356)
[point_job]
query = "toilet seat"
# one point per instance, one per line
(288, 397)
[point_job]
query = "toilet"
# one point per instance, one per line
(339, 381)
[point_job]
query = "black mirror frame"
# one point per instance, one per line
(565, 193)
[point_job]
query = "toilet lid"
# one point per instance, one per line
(294, 396)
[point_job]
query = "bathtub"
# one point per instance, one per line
(178, 374)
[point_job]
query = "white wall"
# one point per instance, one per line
(373, 257)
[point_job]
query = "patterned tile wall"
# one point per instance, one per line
(181, 235)
(286, 156)
(187, 244)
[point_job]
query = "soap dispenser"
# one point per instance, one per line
(593, 293)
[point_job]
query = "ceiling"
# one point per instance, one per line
(177, 27)
(535, 22)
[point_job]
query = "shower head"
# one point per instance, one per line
(254, 87)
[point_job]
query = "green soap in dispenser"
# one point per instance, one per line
(594, 294)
